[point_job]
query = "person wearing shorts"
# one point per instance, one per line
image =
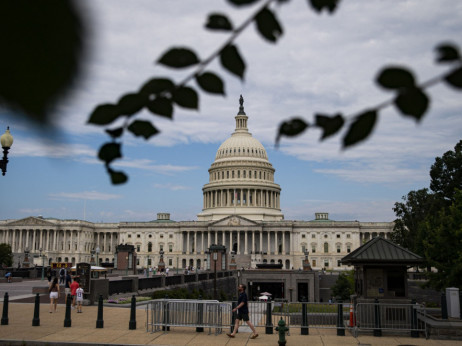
(242, 309)
(54, 295)
(79, 292)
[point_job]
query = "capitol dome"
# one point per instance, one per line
(241, 179)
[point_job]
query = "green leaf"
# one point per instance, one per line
(395, 78)
(156, 86)
(218, 21)
(242, 2)
(109, 152)
(161, 106)
(268, 25)
(130, 104)
(231, 60)
(42, 51)
(186, 97)
(328, 5)
(329, 124)
(178, 58)
(447, 53)
(115, 133)
(412, 102)
(211, 83)
(104, 114)
(117, 177)
(143, 128)
(291, 128)
(455, 78)
(360, 129)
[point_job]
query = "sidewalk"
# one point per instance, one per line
(116, 321)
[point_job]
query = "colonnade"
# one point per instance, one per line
(244, 197)
(242, 242)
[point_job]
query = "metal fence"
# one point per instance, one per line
(120, 286)
(365, 317)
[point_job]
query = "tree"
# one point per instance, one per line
(411, 215)
(446, 174)
(6, 255)
(344, 287)
(443, 244)
(36, 83)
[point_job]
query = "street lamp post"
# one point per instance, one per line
(43, 265)
(97, 251)
(6, 141)
(215, 257)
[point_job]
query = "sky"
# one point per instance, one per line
(321, 64)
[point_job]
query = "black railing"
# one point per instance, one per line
(120, 286)
(203, 276)
(172, 280)
(190, 278)
(147, 283)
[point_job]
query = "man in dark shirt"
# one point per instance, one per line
(242, 309)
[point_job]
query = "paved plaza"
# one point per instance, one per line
(20, 331)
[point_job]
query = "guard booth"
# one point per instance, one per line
(125, 258)
(381, 276)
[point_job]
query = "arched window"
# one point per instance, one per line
(149, 247)
(326, 247)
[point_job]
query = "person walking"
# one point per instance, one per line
(54, 294)
(67, 287)
(242, 309)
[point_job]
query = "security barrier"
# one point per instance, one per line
(365, 317)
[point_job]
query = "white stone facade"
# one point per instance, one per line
(241, 210)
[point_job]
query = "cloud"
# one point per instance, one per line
(148, 165)
(85, 195)
(173, 187)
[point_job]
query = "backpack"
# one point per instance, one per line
(61, 272)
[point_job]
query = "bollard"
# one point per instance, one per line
(5, 310)
(304, 329)
(282, 329)
(340, 325)
(36, 319)
(444, 307)
(67, 318)
(99, 319)
(414, 331)
(269, 320)
(200, 316)
(132, 323)
(233, 316)
(378, 327)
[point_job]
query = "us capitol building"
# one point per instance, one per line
(241, 210)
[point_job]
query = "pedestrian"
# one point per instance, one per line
(242, 309)
(62, 276)
(54, 295)
(49, 275)
(79, 292)
(74, 286)
(67, 285)
(8, 277)
(166, 271)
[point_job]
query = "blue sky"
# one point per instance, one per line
(322, 64)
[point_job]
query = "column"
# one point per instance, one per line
(283, 242)
(216, 237)
(20, 241)
(253, 242)
(245, 243)
(261, 241)
(269, 243)
(195, 241)
(276, 245)
(238, 241)
(290, 242)
(187, 242)
(208, 239)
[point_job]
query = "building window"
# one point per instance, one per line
(137, 261)
(227, 174)
(243, 174)
(250, 174)
(348, 236)
(150, 236)
(303, 248)
(170, 262)
(161, 247)
(303, 236)
(149, 247)
(138, 236)
(338, 236)
(138, 248)
(313, 249)
(325, 236)
(313, 236)
(313, 263)
(170, 236)
(149, 261)
(326, 263)
(326, 247)
(129, 235)
(348, 248)
(170, 248)
(339, 264)
(338, 249)
(233, 174)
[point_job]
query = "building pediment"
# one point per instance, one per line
(233, 221)
(30, 221)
